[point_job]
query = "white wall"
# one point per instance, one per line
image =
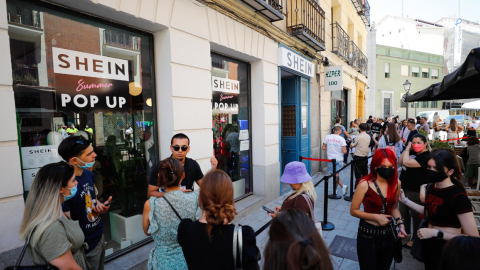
(404, 33)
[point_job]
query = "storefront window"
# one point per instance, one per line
(339, 106)
(230, 121)
(73, 76)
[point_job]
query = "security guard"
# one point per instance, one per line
(72, 130)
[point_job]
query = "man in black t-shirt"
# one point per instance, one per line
(180, 146)
(370, 120)
(377, 128)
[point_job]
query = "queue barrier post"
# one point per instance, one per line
(326, 226)
(334, 196)
(350, 197)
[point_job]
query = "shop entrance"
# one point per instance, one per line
(295, 122)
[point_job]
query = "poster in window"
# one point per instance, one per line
(87, 82)
(225, 95)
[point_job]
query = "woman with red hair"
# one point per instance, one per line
(374, 238)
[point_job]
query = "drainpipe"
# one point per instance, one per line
(331, 18)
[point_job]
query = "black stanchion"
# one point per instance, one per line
(349, 198)
(326, 226)
(334, 196)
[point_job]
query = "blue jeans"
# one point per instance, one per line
(339, 164)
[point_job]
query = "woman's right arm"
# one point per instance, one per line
(66, 262)
(446, 128)
(417, 208)
(355, 211)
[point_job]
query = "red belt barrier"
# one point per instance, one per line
(317, 159)
(456, 139)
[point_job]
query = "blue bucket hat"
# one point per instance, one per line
(295, 173)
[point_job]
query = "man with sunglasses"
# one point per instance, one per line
(180, 146)
(84, 205)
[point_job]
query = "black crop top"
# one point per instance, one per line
(444, 204)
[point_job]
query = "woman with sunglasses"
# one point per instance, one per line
(375, 237)
(414, 168)
(449, 211)
(53, 238)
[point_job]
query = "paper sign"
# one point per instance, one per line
(38, 156)
(243, 135)
(244, 145)
(28, 176)
(304, 124)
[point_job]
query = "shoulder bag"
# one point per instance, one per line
(318, 224)
(32, 267)
(237, 246)
(416, 250)
(397, 242)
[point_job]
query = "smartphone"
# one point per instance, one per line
(106, 204)
(268, 210)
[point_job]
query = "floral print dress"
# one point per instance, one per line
(167, 253)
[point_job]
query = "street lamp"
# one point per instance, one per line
(407, 86)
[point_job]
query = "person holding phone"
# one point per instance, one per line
(84, 206)
(304, 196)
(180, 147)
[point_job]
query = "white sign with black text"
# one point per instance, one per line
(38, 156)
(333, 78)
(28, 177)
(291, 60)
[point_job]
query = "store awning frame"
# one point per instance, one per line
(463, 83)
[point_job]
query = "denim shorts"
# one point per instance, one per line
(339, 165)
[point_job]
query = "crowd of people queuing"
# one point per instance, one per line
(405, 184)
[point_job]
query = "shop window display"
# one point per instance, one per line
(75, 76)
(231, 121)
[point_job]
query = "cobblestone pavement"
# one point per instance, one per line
(338, 214)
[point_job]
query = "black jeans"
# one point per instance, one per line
(375, 252)
(361, 167)
(432, 252)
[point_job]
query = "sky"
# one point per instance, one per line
(427, 10)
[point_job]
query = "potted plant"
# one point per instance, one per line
(128, 177)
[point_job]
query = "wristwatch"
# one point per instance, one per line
(440, 235)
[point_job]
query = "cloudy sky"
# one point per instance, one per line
(427, 10)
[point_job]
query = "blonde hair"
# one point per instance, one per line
(308, 188)
(44, 206)
(436, 118)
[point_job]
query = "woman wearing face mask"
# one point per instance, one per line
(304, 197)
(449, 211)
(375, 239)
(53, 238)
(413, 175)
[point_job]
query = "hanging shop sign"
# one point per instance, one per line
(333, 78)
(87, 82)
(457, 47)
(225, 95)
(291, 60)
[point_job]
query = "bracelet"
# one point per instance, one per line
(405, 201)
(400, 218)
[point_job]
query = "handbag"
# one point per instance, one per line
(237, 245)
(416, 250)
(397, 242)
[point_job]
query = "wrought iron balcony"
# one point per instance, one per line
(357, 58)
(121, 40)
(270, 9)
(363, 10)
(25, 75)
(306, 21)
(341, 41)
(23, 16)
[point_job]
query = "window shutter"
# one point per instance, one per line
(415, 69)
(425, 70)
(404, 70)
(387, 67)
(435, 72)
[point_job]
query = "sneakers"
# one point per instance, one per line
(345, 189)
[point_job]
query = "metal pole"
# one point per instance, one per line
(326, 226)
(334, 195)
(350, 197)
(407, 110)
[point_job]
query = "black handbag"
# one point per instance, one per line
(31, 267)
(397, 242)
(416, 250)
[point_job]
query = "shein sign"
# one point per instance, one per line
(291, 60)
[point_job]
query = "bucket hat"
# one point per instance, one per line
(295, 173)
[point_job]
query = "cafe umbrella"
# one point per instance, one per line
(460, 84)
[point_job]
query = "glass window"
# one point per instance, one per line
(62, 66)
(230, 121)
(434, 104)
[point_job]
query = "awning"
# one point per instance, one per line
(474, 105)
(463, 83)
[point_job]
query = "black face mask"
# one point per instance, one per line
(386, 173)
(435, 177)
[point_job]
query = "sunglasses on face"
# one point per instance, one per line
(177, 148)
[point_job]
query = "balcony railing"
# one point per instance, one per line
(24, 16)
(25, 76)
(270, 9)
(121, 40)
(357, 58)
(363, 10)
(363, 62)
(341, 41)
(306, 21)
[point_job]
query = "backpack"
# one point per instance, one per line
(390, 146)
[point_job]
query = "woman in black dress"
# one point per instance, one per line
(208, 242)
